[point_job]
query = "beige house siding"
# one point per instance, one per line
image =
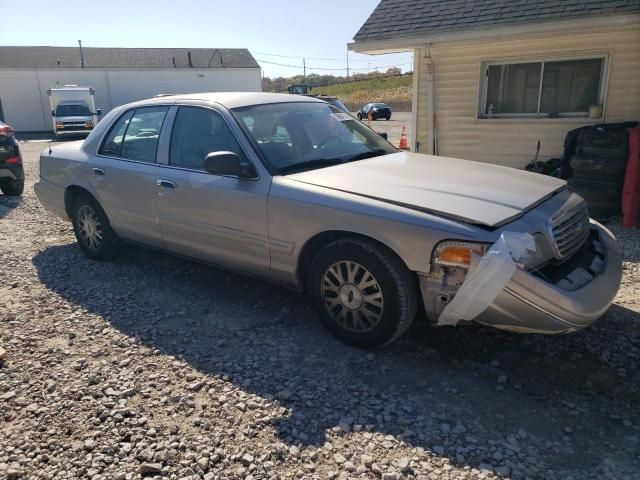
(512, 142)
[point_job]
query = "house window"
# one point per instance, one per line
(542, 89)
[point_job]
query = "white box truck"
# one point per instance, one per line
(73, 110)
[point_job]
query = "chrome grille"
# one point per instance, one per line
(569, 229)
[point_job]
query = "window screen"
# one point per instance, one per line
(567, 88)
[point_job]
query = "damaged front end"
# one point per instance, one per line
(555, 279)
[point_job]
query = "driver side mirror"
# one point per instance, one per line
(384, 135)
(229, 164)
(53, 113)
(98, 111)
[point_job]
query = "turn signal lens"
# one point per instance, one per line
(457, 254)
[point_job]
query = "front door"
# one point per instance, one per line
(219, 219)
(124, 174)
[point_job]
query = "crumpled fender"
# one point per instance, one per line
(487, 276)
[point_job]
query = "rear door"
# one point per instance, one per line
(124, 173)
(215, 218)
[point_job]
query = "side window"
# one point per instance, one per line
(112, 145)
(198, 132)
(141, 138)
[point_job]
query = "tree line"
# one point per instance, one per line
(279, 84)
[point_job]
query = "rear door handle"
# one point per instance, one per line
(98, 171)
(165, 183)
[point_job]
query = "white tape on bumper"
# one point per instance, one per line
(487, 277)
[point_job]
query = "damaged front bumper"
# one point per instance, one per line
(553, 300)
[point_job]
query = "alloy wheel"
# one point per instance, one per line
(89, 227)
(352, 296)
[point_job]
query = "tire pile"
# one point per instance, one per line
(598, 169)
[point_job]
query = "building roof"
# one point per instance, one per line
(409, 18)
(69, 57)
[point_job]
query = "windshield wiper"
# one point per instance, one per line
(372, 153)
(310, 164)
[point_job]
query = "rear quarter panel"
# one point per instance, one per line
(65, 165)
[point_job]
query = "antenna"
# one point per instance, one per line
(81, 54)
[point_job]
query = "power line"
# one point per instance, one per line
(333, 69)
(312, 58)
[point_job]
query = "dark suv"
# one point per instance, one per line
(378, 110)
(11, 171)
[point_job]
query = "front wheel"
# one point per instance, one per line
(360, 116)
(12, 188)
(92, 229)
(362, 292)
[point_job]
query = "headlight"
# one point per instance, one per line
(59, 125)
(457, 254)
(88, 125)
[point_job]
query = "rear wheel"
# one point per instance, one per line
(362, 293)
(12, 188)
(92, 229)
(388, 118)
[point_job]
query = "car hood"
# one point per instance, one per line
(478, 193)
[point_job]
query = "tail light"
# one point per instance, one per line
(7, 131)
(17, 160)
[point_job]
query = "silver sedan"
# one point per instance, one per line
(292, 189)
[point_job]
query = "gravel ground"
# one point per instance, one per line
(151, 366)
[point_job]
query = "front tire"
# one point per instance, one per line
(92, 229)
(12, 188)
(362, 293)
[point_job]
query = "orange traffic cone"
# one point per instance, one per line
(403, 139)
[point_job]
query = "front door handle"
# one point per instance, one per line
(98, 171)
(165, 183)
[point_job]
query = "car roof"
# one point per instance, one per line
(230, 99)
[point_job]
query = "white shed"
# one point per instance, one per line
(118, 75)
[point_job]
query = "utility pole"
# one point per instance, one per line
(81, 54)
(304, 67)
(347, 62)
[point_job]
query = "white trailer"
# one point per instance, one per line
(73, 110)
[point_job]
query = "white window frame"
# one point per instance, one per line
(484, 84)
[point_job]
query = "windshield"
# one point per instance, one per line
(308, 135)
(72, 111)
(337, 103)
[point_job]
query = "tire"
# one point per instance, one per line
(12, 188)
(618, 153)
(360, 116)
(604, 198)
(388, 118)
(86, 209)
(371, 324)
(595, 188)
(602, 168)
(603, 139)
(602, 209)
